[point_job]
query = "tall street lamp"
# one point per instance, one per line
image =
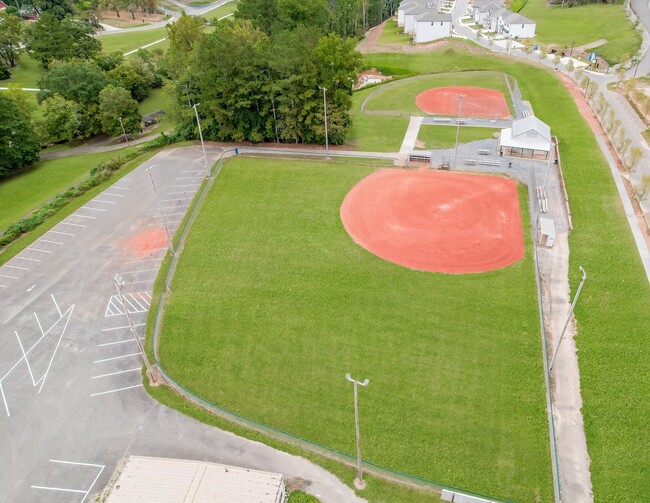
(460, 107)
(358, 482)
(124, 131)
(568, 316)
(198, 122)
(327, 145)
(162, 215)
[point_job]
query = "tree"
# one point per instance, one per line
(592, 88)
(11, 36)
(5, 73)
(109, 61)
(79, 81)
(557, 60)
(116, 103)
(570, 66)
(183, 36)
(50, 39)
(615, 125)
(635, 156)
(24, 101)
(309, 13)
(624, 59)
(645, 187)
(261, 13)
(18, 143)
(62, 120)
(136, 78)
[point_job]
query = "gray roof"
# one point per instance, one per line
(434, 16)
(514, 18)
(531, 123)
(487, 3)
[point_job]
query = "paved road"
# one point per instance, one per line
(71, 396)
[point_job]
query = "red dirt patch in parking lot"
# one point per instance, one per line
(147, 242)
(478, 102)
(436, 221)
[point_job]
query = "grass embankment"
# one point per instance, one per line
(612, 315)
(130, 40)
(435, 137)
(26, 74)
(453, 361)
(30, 189)
(391, 34)
(584, 24)
(220, 12)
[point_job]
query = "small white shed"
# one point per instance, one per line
(432, 26)
(546, 232)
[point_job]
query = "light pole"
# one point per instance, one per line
(198, 122)
(119, 283)
(358, 482)
(162, 215)
(124, 131)
(327, 145)
(568, 317)
(460, 107)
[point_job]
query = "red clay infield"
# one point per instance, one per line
(436, 221)
(478, 102)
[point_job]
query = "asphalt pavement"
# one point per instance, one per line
(72, 402)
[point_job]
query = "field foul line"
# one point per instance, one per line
(116, 390)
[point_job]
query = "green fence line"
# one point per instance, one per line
(309, 445)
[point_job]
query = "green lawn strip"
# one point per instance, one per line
(26, 74)
(400, 96)
(297, 297)
(613, 313)
(27, 239)
(584, 24)
(435, 136)
(130, 40)
(392, 34)
(220, 12)
(157, 100)
(26, 191)
(301, 497)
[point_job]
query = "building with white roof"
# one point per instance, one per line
(528, 137)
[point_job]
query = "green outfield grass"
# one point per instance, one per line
(391, 34)
(289, 304)
(220, 12)
(26, 191)
(400, 96)
(584, 24)
(612, 315)
(131, 40)
(26, 74)
(378, 133)
(445, 136)
(157, 100)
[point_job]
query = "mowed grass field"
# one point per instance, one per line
(612, 315)
(400, 96)
(392, 34)
(130, 40)
(220, 12)
(434, 136)
(273, 303)
(26, 74)
(584, 24)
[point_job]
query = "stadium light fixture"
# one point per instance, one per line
(568, 316)
(162, 215)
(124, 131)
(327, 144)
(460, 108)
(198, 122)
(358, 482)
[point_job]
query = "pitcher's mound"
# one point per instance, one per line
(436, 221)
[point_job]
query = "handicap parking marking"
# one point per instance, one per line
(134, 302)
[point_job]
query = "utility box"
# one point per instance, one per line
(456, 497)
(546, 232)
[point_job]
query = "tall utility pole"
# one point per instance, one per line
(460, 108)
(327, 145)
(358, 482)
(162, 215)
(119, 283)
(198, 122)
(124, 131)
(568, 317)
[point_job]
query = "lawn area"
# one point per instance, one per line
(298, 304)
(612, 315)
(400, 96)
(220, 12)
(584, 24)
(158, 99)
(130, 40)
(24, 192)
(445, 136)
(391, 34)
(26, 74)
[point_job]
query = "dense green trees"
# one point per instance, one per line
(62, 120)
(11, 35)
(115, 103)
(18, 143)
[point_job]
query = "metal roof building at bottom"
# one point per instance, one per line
(164, 480)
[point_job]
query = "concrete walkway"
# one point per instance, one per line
(410, 138)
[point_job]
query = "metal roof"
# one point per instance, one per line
(164, 480)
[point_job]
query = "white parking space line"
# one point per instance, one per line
(112, 195)
(117, 357)
(116, 373)
(176, 199)
(176, 206)
(7, 276)
(116, 390)
(16, 267)
(136, 272)
(63, 233)
(70, 223)
(143, 260)
(51, 242)
(121, 328)
(61, 489)
(174, 193)
(91, 208)
(76, 463)
(117, 342)
(3, 286)
(195, 185)
(83, 216)
(143, 281)
(192, 171)
(120, 188)
(169, 215)
(174, 221)
(85, 492)
(38, 250)
(190, 178)
(146, 301)
(104, 202)
(30, 259)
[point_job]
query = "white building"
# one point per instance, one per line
(406, 4)
(528, 137)
(513, 25)
(486, 13)
(432, 26)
